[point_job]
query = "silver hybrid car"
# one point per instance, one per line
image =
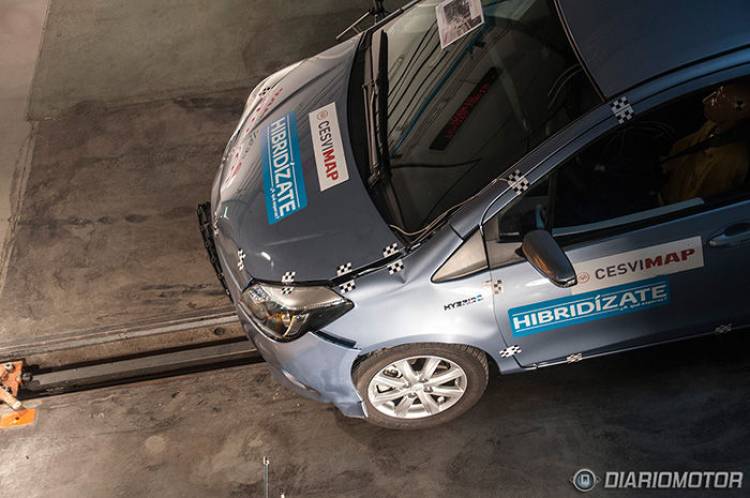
(475, 186)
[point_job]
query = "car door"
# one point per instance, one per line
(655, 274)
(651, 284)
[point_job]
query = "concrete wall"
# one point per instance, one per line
(139, 50)
(20, 35)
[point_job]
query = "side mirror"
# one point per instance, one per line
(548, 258)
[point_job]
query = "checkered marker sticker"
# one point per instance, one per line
(347, 286)
(510, 351)
(518, 182)
(343, 269)
(497, 287)
(574, 358)
(241, 259)
(622, 109)
(286, 290)
(723, 329)
(396, 266)
(390, 250)
(288, 277)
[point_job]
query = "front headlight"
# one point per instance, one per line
(284, 317)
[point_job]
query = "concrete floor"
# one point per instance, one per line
(131, 106)
(141, 50)
(107, 232)
(678, 407)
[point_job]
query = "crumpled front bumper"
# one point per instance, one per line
(311, 366)
(206, 228)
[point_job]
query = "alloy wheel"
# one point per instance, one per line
(417, 387)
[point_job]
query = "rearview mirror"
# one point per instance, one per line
(548, 258)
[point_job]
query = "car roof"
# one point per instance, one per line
(624, 43)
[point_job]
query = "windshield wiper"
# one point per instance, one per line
(378, 106)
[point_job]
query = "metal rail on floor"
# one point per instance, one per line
(39, 377)
(109, 334)
(137, 368)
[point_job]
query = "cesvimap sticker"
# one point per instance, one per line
(330, 162)
(632, 266)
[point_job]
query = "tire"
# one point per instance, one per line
(398, 382)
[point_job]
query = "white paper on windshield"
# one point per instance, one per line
(456, 18)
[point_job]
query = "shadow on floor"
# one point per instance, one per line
(677, 407)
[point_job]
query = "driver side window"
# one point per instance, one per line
(669, 160)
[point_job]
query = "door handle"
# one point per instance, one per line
(732, 236)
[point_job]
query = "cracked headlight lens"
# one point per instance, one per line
(287, 316)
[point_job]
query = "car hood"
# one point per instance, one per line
(289, 198)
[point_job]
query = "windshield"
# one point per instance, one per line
(459, 116)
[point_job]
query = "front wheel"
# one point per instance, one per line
(420, 385)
